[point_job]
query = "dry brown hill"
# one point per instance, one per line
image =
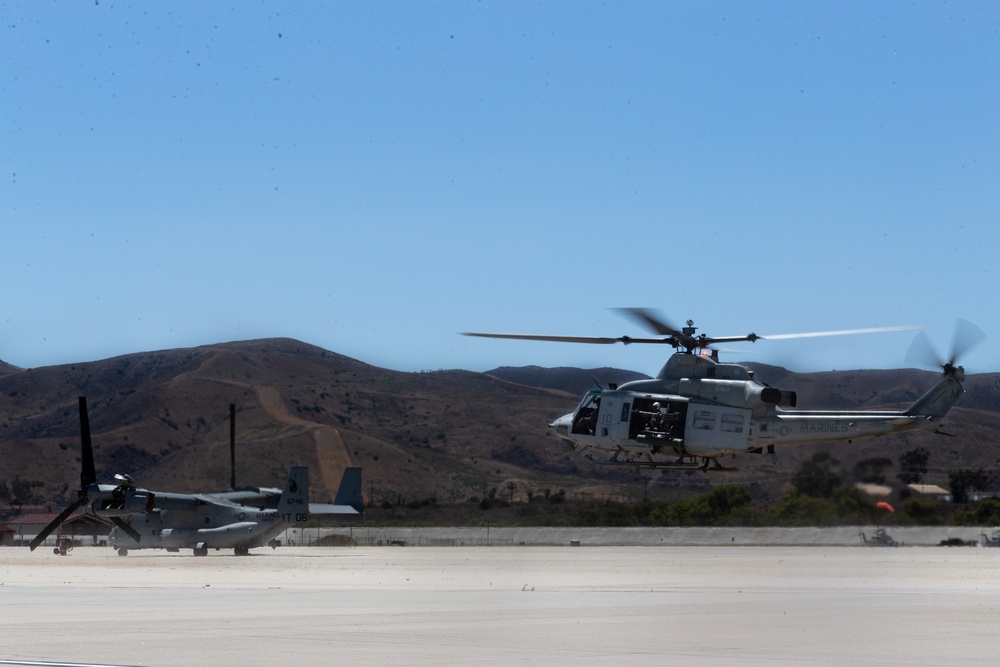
(575, 381)
(163, 417)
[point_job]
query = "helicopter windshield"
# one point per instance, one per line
(585, 417)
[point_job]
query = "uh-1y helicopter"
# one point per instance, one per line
(241, 519)
(698, 409)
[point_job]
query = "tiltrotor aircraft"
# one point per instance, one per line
(697, 409)
(241, 519)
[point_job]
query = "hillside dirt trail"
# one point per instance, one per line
(331, 450)
(332, 454)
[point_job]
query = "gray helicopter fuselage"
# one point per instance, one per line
(202, 521)
(698, 407)
(216, 525)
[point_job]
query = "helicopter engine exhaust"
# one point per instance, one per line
(769, 396)
(772, 396)
(737, 393)
(788, 400)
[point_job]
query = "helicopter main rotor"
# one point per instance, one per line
(681, 338)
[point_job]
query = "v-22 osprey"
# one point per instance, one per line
(241, 519)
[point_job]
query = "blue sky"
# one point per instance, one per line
(374, 178)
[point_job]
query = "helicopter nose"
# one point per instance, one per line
(562, 426)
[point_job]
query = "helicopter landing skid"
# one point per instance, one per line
(707, 465)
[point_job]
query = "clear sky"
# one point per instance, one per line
(374, 177)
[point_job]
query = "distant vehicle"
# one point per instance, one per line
(698, 410)
(991, 541)
(879, 539)
(241, 519)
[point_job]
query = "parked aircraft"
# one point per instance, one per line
(241, 519)
(200, 522)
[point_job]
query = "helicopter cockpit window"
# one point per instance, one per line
(704, 420)
(586, 415)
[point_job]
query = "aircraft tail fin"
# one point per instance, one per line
(295, 498)
(936, 403)
(349, 492)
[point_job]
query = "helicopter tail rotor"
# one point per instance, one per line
(923, 353)
(967, 336)
(934, 405)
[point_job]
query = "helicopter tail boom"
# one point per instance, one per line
(936, 403)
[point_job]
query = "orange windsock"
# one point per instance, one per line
(882, 505)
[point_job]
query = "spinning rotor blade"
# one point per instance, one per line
(57, 522)
(129, 530)
(967, 336)
(924, 354)
(687, 339)
(683, 338)
(651, 321)
(842, 332)
(568, 339)
(644, 316)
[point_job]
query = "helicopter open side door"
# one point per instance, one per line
(711, 430)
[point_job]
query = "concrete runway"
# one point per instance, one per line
(504, 605)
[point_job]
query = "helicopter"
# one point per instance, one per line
(698, 409)
(240, 519)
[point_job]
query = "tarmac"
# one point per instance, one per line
(715, 605)
(635, 537)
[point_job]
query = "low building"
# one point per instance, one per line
(83, 527)
(876, 490)
(930, 490)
